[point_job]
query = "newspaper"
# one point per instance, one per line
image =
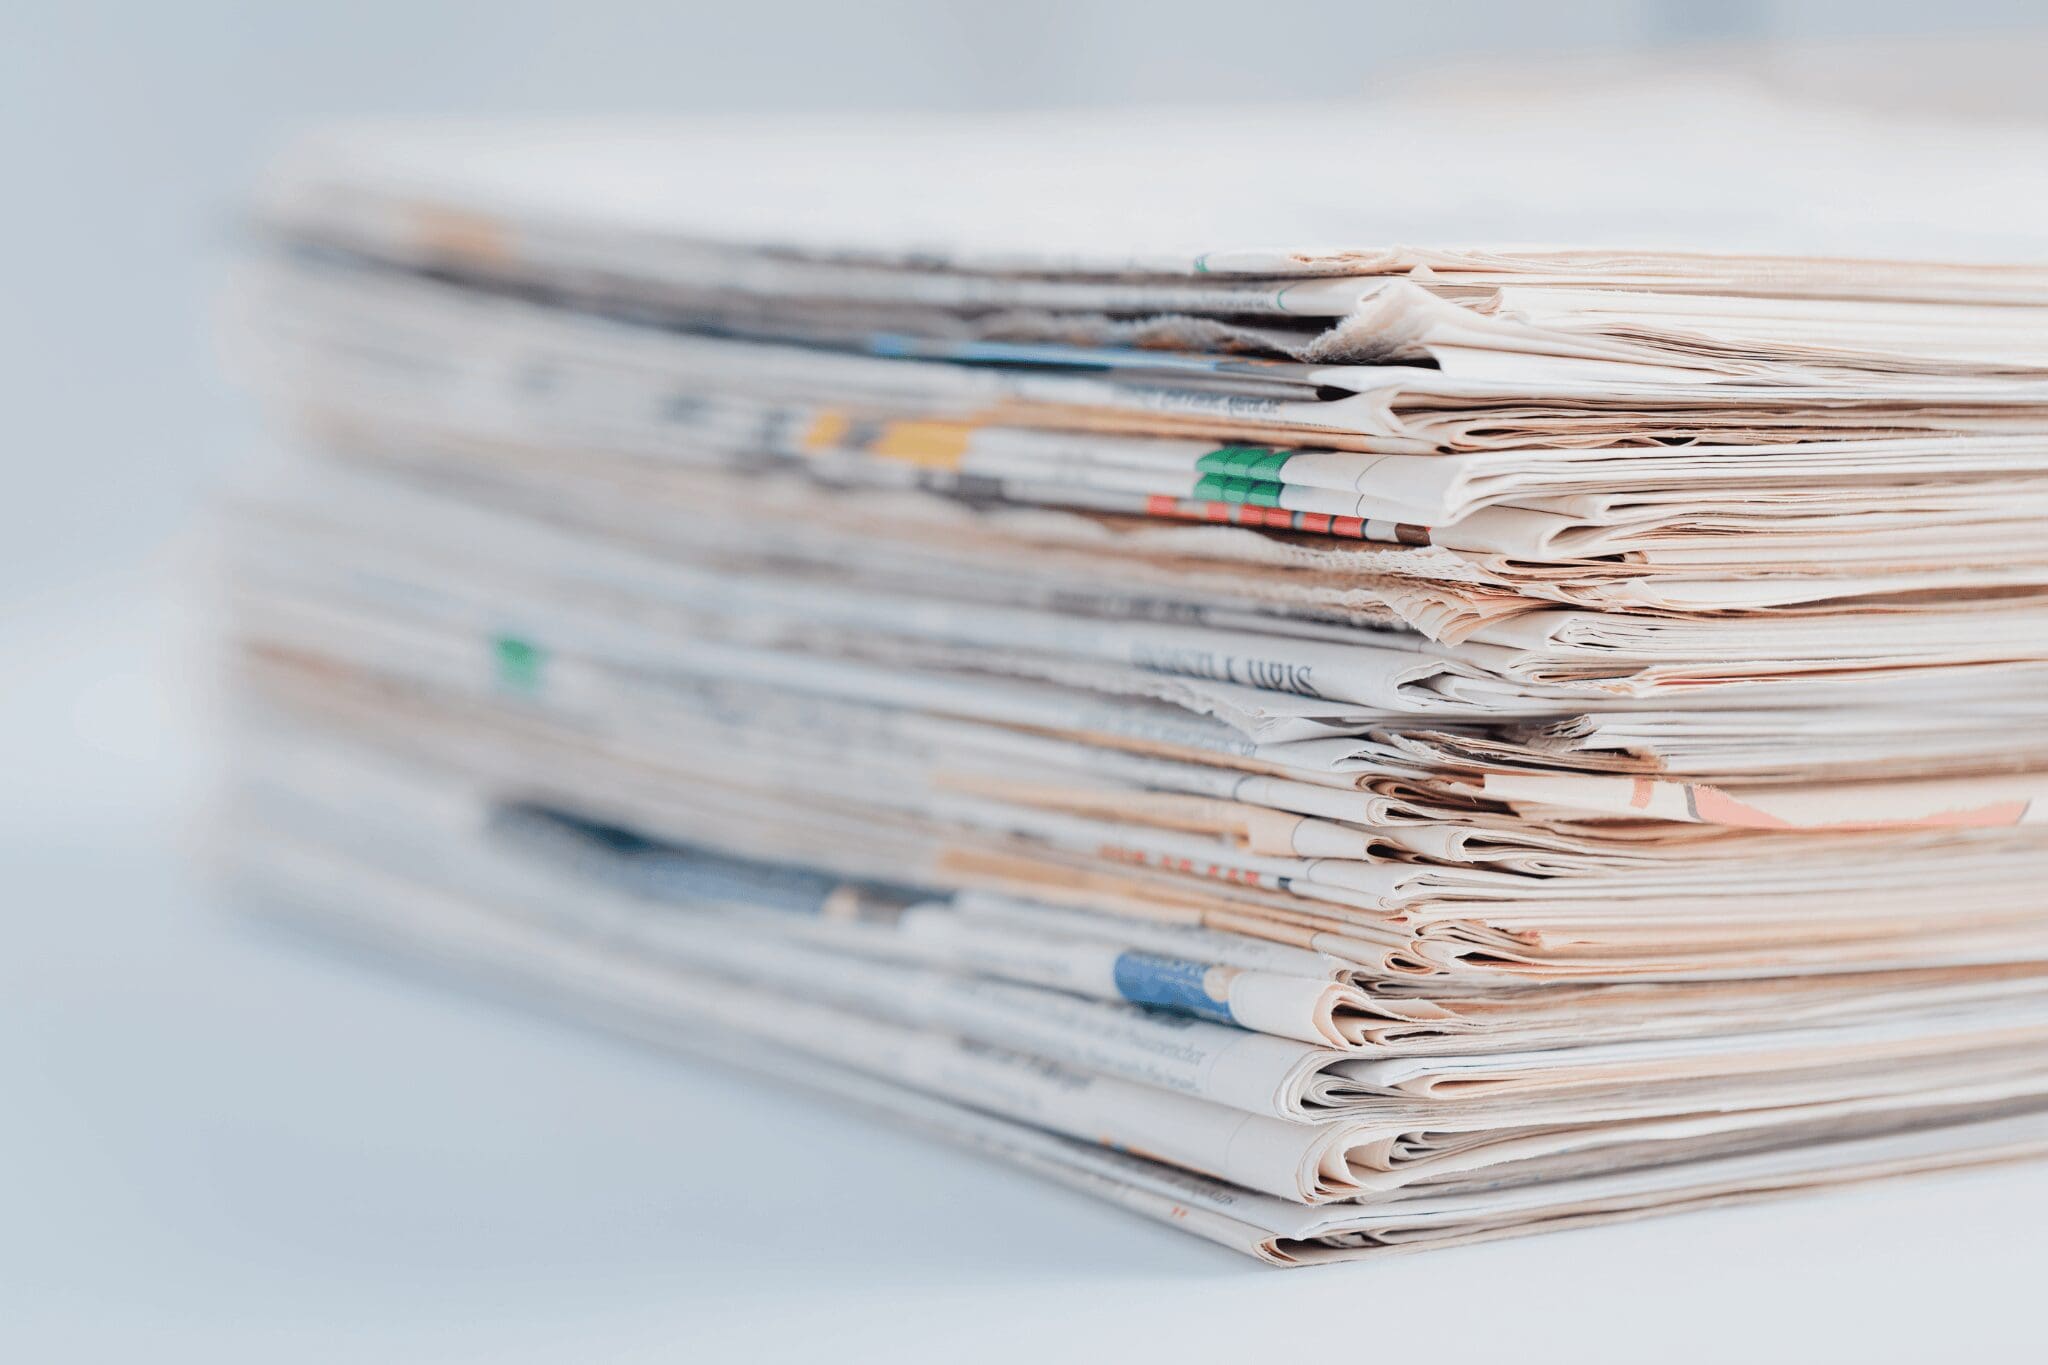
(1364, 743)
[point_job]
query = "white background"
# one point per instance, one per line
(217, 1143)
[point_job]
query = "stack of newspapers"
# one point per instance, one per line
(1341, 746)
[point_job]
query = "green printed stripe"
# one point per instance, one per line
(1223, 488)
(1252, 462)
(517, 663)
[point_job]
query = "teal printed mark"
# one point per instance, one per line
(1247, 462)
(517, 662)
(1170, 983)
(1219, 488)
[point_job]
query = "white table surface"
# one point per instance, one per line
(220, 1143)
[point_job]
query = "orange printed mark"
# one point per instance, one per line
(1174, 862)
(1998, 813)
(1640, 794)
(1159, 505)
(1348, 526)
(827, 431)
(460, 234)
(1318, 522)
(934, 445)
(1716, 807)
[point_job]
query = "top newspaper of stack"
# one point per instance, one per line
(1435, 607)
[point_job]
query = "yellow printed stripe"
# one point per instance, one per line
(935, 445)
(827, 431)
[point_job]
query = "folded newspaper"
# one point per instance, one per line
(1342, 746)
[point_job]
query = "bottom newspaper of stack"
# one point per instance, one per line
(867, 900)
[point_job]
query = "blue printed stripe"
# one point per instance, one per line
(1171, 983)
